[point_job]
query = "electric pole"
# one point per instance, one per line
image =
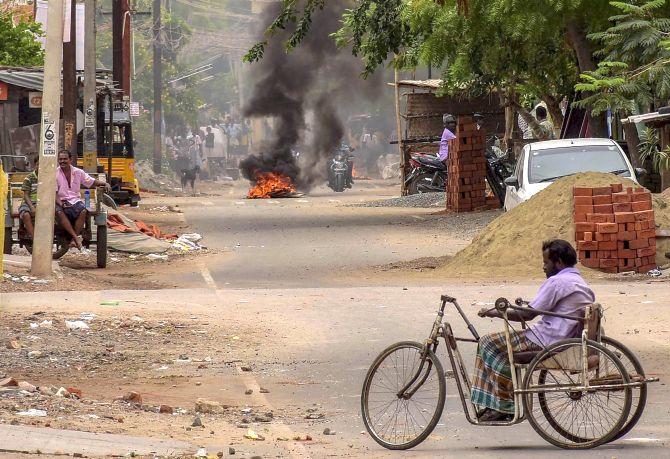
(158, 89)
(46, 192)
(121, 44)
(90, 105)
(70, 90)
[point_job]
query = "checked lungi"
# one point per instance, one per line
(492, 383)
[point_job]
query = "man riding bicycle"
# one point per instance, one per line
(564, 292)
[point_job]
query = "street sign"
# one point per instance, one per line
(49, 139)
(90, 116)
(4, 94)
(35, 99)
(134, 109)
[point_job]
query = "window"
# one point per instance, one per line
(552, 163)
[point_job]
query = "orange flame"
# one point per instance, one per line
(271, 184)
(355, 176)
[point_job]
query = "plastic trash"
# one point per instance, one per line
(76, 325)
(87, 316)
(33, 413)
(655, 273)
(193, 237)
(110, 303)
(157, 256)
(185, 245)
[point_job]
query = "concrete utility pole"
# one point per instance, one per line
(121, 44)
(90, 103)
(46, 193)
(158, 89)
(70, 90)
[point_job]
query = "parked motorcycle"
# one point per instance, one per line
(499, 166)
(340, 170)
(428, 175)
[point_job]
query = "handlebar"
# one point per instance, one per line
(502, 305)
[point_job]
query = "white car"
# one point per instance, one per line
(541, 163)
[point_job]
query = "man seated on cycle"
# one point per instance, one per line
(564, 292)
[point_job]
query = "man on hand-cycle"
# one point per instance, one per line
(564, 292)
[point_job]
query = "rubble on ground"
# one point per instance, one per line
(433, 200)
(157, 183)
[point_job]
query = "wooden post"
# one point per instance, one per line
(158, 89)
(121, 44)
(90, 105)
(46, 192)
(70, 89)
(401, 146)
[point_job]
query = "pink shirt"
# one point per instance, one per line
(70, 192)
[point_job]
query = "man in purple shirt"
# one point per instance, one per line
(564, 292)
(447, 136)
(70, 209)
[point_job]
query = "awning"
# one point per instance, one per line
(34, 79)
(23, 79)
(647, 118)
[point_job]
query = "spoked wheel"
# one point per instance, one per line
(574, 418)
(634, 368)
(402, 421)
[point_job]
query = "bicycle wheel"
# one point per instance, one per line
(576, 419)
(396, 422)
(634, 368)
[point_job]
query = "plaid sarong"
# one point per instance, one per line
(492, 383)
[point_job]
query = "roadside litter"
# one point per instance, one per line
(126, 235)
(33, 413)
(187, 242)
(76, 325)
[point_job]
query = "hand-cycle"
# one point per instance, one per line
(577, 393)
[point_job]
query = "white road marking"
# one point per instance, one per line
(643, 440)
(207, 203)
(207, 276)
(294, 448)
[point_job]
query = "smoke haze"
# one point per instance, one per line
(316, 79)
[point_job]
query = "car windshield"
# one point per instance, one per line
(553, 163)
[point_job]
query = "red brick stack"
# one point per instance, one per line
(466, 186)
(614, 228)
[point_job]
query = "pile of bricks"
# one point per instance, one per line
(615, 229)
(466, 185)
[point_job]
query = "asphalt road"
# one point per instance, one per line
(312, 241)
(286, 255)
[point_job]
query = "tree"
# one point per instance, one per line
(18, 43)
(417, 29)
(635, 51)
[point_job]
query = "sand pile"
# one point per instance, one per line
(511, 244)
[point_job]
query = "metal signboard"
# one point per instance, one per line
(49, 138)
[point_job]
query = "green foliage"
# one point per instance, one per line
(375, 29)
(294, 15)
(636, 53)
(18, 44)
(648, 149)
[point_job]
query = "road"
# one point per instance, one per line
(289, 283)
(319, 240)
(310, 348)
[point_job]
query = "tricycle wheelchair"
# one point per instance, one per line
(15, 232)
(577, 393)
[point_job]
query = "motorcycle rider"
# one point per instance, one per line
(448, 137)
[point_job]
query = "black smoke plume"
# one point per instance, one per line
(317, 79)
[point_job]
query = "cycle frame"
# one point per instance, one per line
(442, 329)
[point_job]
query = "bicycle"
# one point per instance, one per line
(576, 393)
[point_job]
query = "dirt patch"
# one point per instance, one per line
(510, 245)
(420, 264)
